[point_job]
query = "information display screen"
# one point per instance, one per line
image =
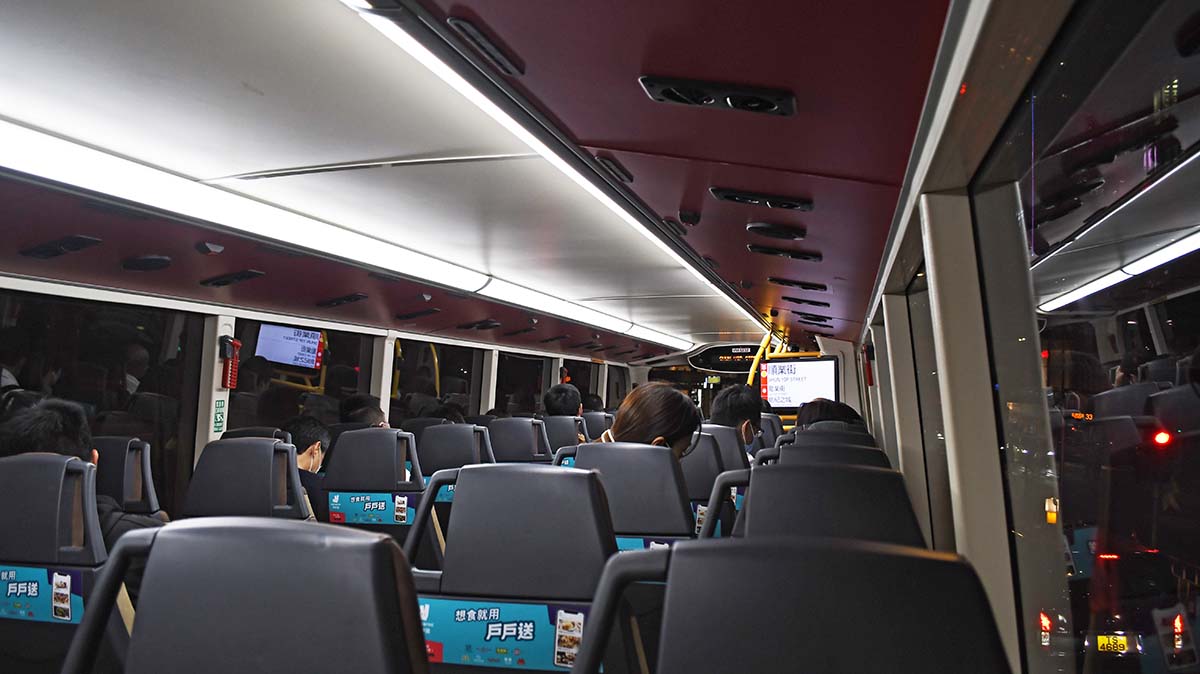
(788, 384)
(289, 346)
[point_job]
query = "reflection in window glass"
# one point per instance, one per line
(1101, 461)
(287, 370)
(428, 376)
(132, 368)
(581, 374)
(520, 383)
(618, 386)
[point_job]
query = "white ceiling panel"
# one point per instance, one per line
(223, 87)
(684, 316)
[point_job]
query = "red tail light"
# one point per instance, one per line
(1162, 438)
(1178, 624)
(1109, 555)
(1045, 621)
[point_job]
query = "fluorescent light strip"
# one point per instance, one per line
(646, 334)
(416, 50)
(1084, 290)
(47, 156)
(1138, 195)
(1163, 255)
(543, 303)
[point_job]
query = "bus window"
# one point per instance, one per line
(1179, 318)
(428, 376)
(618, 386)
(582, 375)
(1135, 336)
(520, 382)
(132, 368)
(287, 370)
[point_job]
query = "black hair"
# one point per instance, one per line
(366, 415)
(766, 406)
(307, 429)
(593, 403)
(820, 409)
(657, 410)
(352, 404)
(53, 425)
(497, 412)
(449, 412)
(14, 400)
(562, 400)
(734, 404)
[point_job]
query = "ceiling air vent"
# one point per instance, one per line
(554, 339)
(343, 300)
(57, 247)
(773, 231)
(522, 331)
(146, 263)
(230, 279)
(208, 248)
(582, 345)
(622, 353)
(484, 45)
(689, 218)
(807, 256)
(812, 317)
(421, 313)
(614, 167)
(801, 300)
(485, 324)
(762, 199)
(816, 323)
(279, 250)
(803, 285)
(716, 95)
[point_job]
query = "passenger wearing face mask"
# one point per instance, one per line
(740, 407)
(311, 438)
(656, 414)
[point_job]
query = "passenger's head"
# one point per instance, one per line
(739, 406)
(354, 403)
(657, 414)
(372, 416)
(766, 406)
(821, 409)
(449, 412)
(522, 402)
(593, 403)
(137, 360)
(562, 400)
(278, 404)
(56, 426)
(311, 439)
(255, 374)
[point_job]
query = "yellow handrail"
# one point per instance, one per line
(766, 343)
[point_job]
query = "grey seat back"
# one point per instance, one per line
(733, 452)
(701, 466)
(453, 446)
(846, 455)
(246, 477)
(564, 431)
(520, 439)
(597, 423)
(481, 419)
(51, 549)
(819, 437)
(772, 428)
(1123, 401)
(257, 432)
(1159, 369)
(645, 487)
(124, 474)
(418, 425)
(1182, 367)
(1177, 408)
(224, 595)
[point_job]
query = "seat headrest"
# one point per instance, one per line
(831, 501)
(645, 487)
(373, 459)
(701, 467)
(517, 438)
(49, 501)
(835, 425)
(597, 423)
(819, 437)
(219, 594)
(452, 446)
(733, 452)
(124, 475)
(562, 431)
(1123, 400)
(418, 425)
(527, 531)
(847, 455)
(257, 432)
(926, 611)
(246, 477)
(480, 419)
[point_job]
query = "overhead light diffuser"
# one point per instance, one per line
(1085, 290)
(542, 303)
(646, 334)
(1163, 255)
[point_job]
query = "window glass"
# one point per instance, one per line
(618, 386)
(582, 374)
(520, 382)
(132, 368)
(1101, 472)
(427, 376)
(287, 370)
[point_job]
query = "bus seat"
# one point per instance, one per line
(1159, 369)
(701, 466)
(733, 452)
(496, 558)
(417, 425)
(480, 419)
(335, 432)
(517, 439)
(246, 477)
(454, 446)
(920, 611)
(565, 431)
(123, 473)
(224, 595)
(772, 428)
(1182, 366)
(1123, 401)
(647, 495)
(819, 437)
(1177, 408)
(50, 536)
(825, 501)
(850, 455)
(257, 432)
(596, 423)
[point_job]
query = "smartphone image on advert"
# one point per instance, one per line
(401, 509)
(568, 632)
(60, 600)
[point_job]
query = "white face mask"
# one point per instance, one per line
(607, 436)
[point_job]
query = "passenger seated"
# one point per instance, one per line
(738, 406)
(61, 427)
(362, 408)
(450, 412)
(822, 409)
(656, 414)
(311, 438)
(1127, 371)
(563, 400)
(593, 403)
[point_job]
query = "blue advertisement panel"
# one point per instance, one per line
(347, 507)
(445, 494)
(504, 635)
(41, 595)
(625, 543)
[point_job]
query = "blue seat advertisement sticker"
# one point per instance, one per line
(502, 635)
(625, 543)
(372, 507)
(41, 595)
(444, 495)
